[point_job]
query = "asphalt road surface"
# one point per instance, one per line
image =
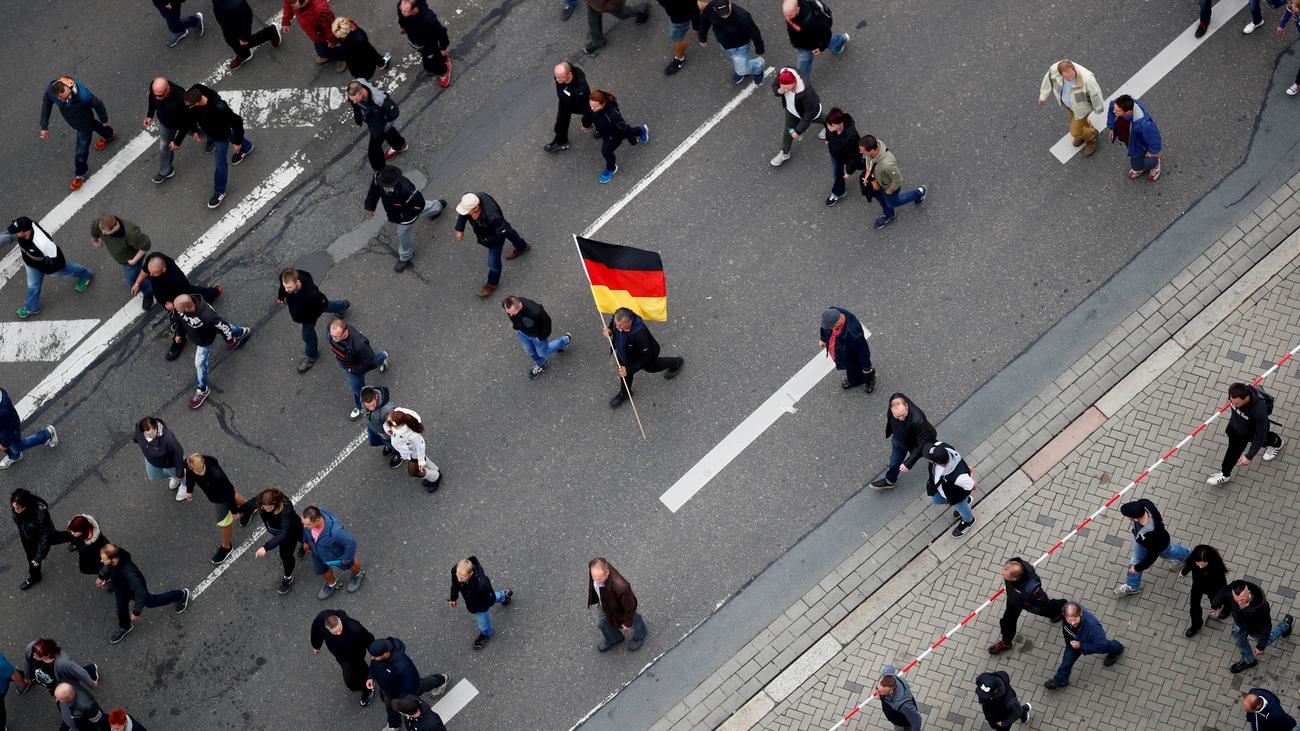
(541, 475)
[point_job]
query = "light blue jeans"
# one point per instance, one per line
(406, 234)
(1174, 552)
(741, 62)
(162, 473)
(962, 508)
(201, 358)
(805, 57)
(35, 278)
(17, 444)
(542, 350)
(484, 619)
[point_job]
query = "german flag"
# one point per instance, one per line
(622, 276)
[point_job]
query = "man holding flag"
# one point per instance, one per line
(637, 350)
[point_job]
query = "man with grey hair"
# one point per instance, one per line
(377, 111)
(637, 350)
(79, 709)
(202, 324)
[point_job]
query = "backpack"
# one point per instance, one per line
(823, 11)
(1266, 397)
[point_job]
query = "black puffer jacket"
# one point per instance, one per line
(36, 531)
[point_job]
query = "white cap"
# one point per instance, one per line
(468, 202)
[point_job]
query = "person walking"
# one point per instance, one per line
(618, 606)
(532, 324)
(405, 433)
(846, 159)
(223, 128)
(737, 34)
(1025, 593)
(168, 281)
(896, 700)
(131, 591)
(167, 106)
(394, 675)
(12, 441)
(470, 582)
(845, 342)
(86, 538)
(1075, 90)
(613, 131)
(683, 17)
(179, 26)
(417, 715)
(1248, 431)
(236, 20)
(427, 35)
(1150, 541)
(909, 434)
(809, 25)
(636, 350)
(316, 19)
(1129, 122)
(284, 527)
(330, 546)
(128, 245)
(306, 304)
(404, 204)
(348, 641)
(885, 179)
(1256, 17)
(1291, 14)
(78, 709)
(998, 700)
(377, 111)
(355, 356)
(951, 483)
(36, 532)
(596, 9)
(378, 405)
(1249, 608)
(202, 324)
(120, 720)
(205, 471)
(84, 113)
(483, 214)
(163, 457)
(41, 258)
(361, 58)
(1209, 577)
(1083, 635)
(1264, 711)
(574, 97)
(47, 665)
(8, 675)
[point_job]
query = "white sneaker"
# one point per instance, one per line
(1126, 590)
(1250, 27)
(173, 483)
(5, 462)
(54, 438)
(822, 135)
(180, 494)
(355, 414)
(1029, 710)
(1293, 89)
(780, 158)
(1218, 478)
(1270, 453)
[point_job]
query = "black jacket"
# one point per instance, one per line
(203, 325)
(1155, 540)
(423, 30)
(31, 253)
(376, 111)
(680, 11)
(1250, 422)
(361, 57)
(402, 204)
(576, 94)
(954, 492)
(396, 677)
(1272, 717)
(164, 451)
(609, 122)
(214, 483)
(172, 112)
(808, 31)
(351, 646)
(171, 283)
(477, 592)
(88, 548)
(36, 531)
(1028, 592)
(806, 103)
(532, 320)
(851, 349)
(636, 348)
(997, 697)
(1254, 619)
(236, 20)
(915, 432)
(491, 226)
(127, 578)
(843, 146)
(426, 721)
(1209, 580)
(354, 354)
(215, 119)
(283, 526)
(305, 305)
(734, 31)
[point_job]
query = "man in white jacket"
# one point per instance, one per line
(42, 258)
(1077, 92)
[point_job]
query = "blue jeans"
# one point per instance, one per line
(962, 508)
(494, 254)
(542, 350)
(162, 473)
(311, 345)
(890, 201)
(1255, 16)
(324, 51)
(1174, 552)
(221, 151)
(614, 635)
(357, 381)
(484, 618)
(82, 156)
(175, 23)
(897, 453)
(837, 176)
(36, 278)
(1243, 639)
(131, 271)
(1143, 164)
(805, 58)
(1072, 656)
(201, 358)
(742, 64)
(377, 440)
(16, 444)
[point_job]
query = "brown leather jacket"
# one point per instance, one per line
(616, 599)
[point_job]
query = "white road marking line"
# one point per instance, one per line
(455, 701)
(92, 347)
(43, 340)
(281, 108)
(1155, 70)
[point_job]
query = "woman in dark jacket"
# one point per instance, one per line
(283, 525)
(87, 539)
(842, 144)
(1209, 577)
(909, 433)
(612, 130)
(361, 57)
(36, 531)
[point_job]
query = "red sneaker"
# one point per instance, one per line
(76, 183)
(390, 154)
(235, 63)
(445, 80)
(101, 143)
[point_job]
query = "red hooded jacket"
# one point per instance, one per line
(315, 19)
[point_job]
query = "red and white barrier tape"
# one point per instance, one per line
(988, 602)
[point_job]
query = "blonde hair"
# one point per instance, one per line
(195, 461)
(342, 27)
(464, 566)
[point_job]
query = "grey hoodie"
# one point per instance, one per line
(901, 701)
(66, 670)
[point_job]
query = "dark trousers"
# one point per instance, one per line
(266, 34)
(1012, 614)
(613, 635)
(897, 453)
(433, 61)
(287, 548)
(81, 157)
(895, 717)
(1205, 11)
(175, 24)
(375, 150)
(34, 572)
(1237, 446)
(123, 596)
(1255, 16)
(659, 364)
(494, 254)
(1072, 656)
(608, 145)
(426, 684)
(355, 673)
(566, 109)
(595, 24)
(311, 345)
(1194, 606)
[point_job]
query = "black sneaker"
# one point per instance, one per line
(591, 49)
(216, 199)
(961, 529)
(395, 461)
(1112, 659)
(238, 156)
(1241, 666)
(758, 79)
(832, 199)
(431, 486)
(555, 146)
(400, 265)
(94, 672)
(158, 178)
(535, 371)
(246, 518)
(183, 604)
(286, 584)
(510, 596)
(881, 484)
(674, 66)
(120, 634)
(174, 351)
(618, 399)
(481, 641)
(387, 451)
(884, 221)
(367, 696)
(566, 12)
(220, 554)
(672, 372)
(146, 304)
(209, 146)
(1053, 685)
(1289, 621)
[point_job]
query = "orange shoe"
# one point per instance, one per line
(101, 143)
(445, 80)
(77, 182)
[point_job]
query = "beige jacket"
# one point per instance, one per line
(1085, 97)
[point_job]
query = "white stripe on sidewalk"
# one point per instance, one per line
(455, 701)
(41, 340)
(1156, 69)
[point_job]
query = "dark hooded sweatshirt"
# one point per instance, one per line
(1153, 537)
(636, 348)
(1253, 619)
(808, 31)
(914, 432)
(396, 677)
(737, 30)
(843, 146)
(423, 30)
(1272, 717)
(901, 702)
(215, 119)
(164, 451)
(1250, 422)
(998, 698)
(348, 647)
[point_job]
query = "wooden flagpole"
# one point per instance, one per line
(613, 354)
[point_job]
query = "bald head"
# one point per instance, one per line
(160, 87)
(563, 72)
(790, 8)
(64, 692)
(184, 303)
(156, 266)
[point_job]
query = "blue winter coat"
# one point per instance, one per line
(1090, 634)
(1144, 136)
(79, 111)
(336, 546)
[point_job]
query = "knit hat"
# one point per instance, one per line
(468, 202)
(830, 318)
(785, 78)
(380, 647)
(1131, 510)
